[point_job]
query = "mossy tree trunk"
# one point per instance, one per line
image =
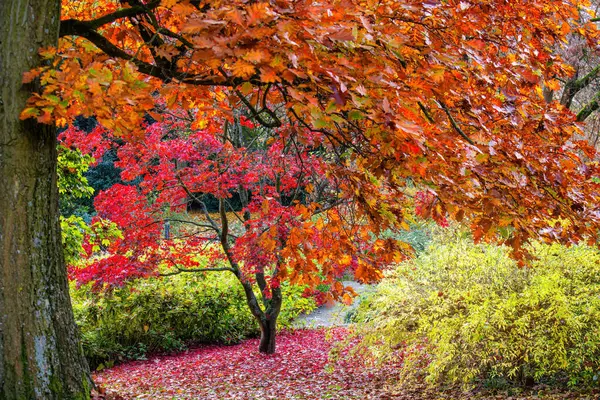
(40, 356)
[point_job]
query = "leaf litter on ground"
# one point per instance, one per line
(302, 368)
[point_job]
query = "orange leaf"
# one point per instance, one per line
(268, 75)
(29, 76)
(243, 69)
(29, 112)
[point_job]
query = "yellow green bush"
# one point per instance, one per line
(466, 313)
(153, 315)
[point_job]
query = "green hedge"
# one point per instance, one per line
(154, 315)
(466, 313)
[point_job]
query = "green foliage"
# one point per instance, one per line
(151, 315)
(102, 233)
(74, 229)
(418, 236)
(72, 184)
(465, 313)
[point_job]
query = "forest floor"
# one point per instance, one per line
(302, 368)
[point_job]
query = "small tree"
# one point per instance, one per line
(293, 223)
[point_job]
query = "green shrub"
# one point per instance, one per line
(166, 314)
(418, 235)
(466, 313)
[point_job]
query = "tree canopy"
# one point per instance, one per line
(447, 95)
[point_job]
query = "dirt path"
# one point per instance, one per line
(327, 316)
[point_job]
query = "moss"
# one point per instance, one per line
(56, 385)
(27, 380)
(86, 384)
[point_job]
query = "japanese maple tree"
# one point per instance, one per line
(293, 223)
(446, 94)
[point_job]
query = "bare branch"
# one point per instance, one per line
(181, 270)
(204, 209)
(454, 124)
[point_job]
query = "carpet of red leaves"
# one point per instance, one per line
(300, 369)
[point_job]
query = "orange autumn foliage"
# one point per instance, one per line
(444, 94)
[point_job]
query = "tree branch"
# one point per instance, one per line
(426, 112)
(454, 124)
(256, 113)
(180, 270)
(576, 85)
(84, 29)
(224, 221)
(588, 109)
(120, 13)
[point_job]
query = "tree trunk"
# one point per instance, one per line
(40, 356)
(267, 320)
(268, 324)
(268, 332)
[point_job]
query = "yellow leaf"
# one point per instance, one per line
(320, 224)
(246, 88)
(347, 299)
(437, 73)
(553, 84)
(256, 56)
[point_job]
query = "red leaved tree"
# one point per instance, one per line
(290, 221)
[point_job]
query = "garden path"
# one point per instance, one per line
(331, 315)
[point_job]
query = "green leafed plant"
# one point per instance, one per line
(465, 313)
(150, 315)
(72, 183)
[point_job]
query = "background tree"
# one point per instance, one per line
(40, 357)
(579, 91)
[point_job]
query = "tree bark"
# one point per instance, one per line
(268, 322)
(40, 356)
(268, 333)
